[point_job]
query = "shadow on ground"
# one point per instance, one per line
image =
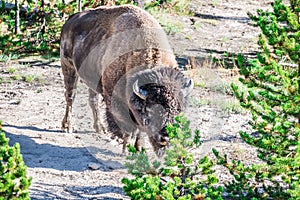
(227, 60)
(74, 192)
(39, 63)
(46, 155)
(219, 17)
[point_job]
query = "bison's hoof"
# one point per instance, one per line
(66, 128)
(138, 145)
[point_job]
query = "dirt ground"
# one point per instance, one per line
(60, 164)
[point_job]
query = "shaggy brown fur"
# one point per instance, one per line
(110, 48)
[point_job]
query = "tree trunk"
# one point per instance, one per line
(43, 26)
(63, 11)
(17, 17)
(79, 6)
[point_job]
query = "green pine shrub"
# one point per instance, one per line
(180, 176)
(272, 95)
(14, 182)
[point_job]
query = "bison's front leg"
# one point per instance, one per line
(94, 104)
(138, 144)
(70, 79)
(138, 141)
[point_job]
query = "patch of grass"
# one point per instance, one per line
(171, 28)
(222, 88)
(227, 60)
(189, 37)
(180, 8)
(6, 58)
(17, 77)
(29, 78)
(227, 106)
(232, 107)
(224, 39)
(210, 79)
(38, 79)
(12, 70)
(200, 75)
(215, 3)
(200, 84)
(200, 101)
(197, 25)
(51, 56)
(1, 80)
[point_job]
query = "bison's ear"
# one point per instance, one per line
(138, 91)
(188, 87)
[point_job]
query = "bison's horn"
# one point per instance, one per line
(138, 91)
(188, 87)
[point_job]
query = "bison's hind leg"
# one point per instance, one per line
(70, 80)
(94, 104)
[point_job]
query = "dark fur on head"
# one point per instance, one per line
(164, 94)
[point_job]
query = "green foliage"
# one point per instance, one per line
(14, 183)
(11, 70)
(180, 176)
(280, 29)
(273, 97)
(40, 24)
(5, 58)
(171, 28)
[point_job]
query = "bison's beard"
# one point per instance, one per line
(159, 142)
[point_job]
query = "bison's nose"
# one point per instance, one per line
(162, 140)
(165, 140)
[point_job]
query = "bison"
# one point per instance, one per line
(123, 54)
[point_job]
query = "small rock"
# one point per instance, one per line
(205, 119)
(93, 166)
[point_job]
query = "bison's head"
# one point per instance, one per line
(158, 96)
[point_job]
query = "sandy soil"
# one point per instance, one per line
(60, 163)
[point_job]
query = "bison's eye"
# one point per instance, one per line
(140, 92)
(143, 92)
(146, 122)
